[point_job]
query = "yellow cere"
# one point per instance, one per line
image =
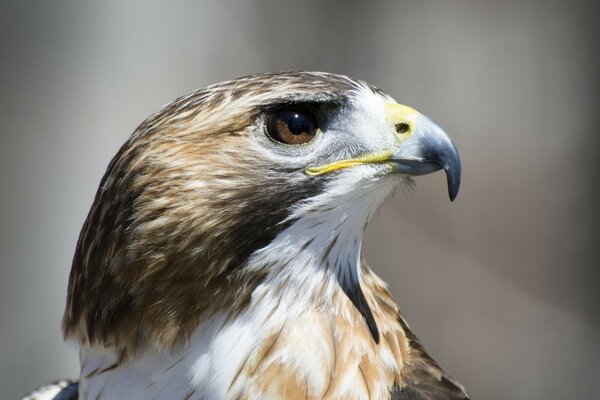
(400, 114)
(379, 157)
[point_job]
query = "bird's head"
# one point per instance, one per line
(268, 177)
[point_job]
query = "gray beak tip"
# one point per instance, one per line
(452, 189)
(451, 165)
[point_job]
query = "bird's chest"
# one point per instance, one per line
(312, 355)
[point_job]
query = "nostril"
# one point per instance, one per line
(402, 127)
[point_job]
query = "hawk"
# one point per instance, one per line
(221, 258)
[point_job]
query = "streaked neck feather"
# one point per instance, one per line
(302, 336)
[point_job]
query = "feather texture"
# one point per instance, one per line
(211, 266)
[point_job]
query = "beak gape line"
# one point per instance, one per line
(422, 148)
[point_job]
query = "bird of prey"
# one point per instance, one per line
(221, 258)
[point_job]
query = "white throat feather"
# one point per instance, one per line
(320, 251)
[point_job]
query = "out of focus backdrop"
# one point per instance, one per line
(501, 285)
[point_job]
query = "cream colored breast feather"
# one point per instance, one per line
(221, 258)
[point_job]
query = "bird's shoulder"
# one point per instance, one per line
(57, 390)
(422, 378)
(426, 380)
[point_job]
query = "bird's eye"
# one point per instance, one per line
(292, 125)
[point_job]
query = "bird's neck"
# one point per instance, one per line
(300, 335)
(276, 348)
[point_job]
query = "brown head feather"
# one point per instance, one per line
(180, 208)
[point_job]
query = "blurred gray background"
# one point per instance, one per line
(501, 285)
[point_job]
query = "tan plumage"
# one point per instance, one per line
(341, 342)
(134, 243)
(215, 254)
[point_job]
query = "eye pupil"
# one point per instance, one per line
(292, 125)
(297, 124)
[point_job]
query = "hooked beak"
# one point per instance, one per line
(422, 148)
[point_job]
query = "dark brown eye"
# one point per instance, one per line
(292, 125)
